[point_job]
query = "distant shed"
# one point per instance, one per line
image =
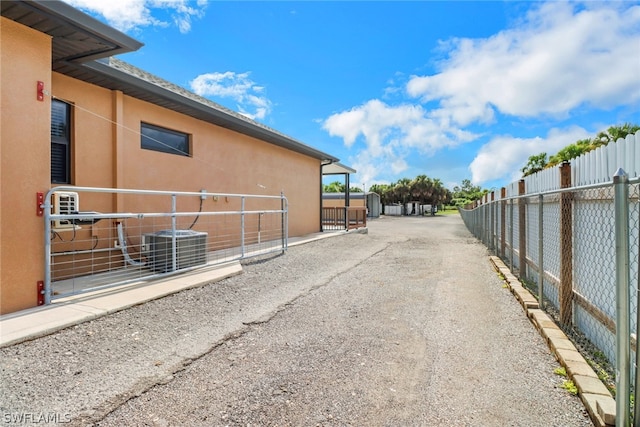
(374, 207)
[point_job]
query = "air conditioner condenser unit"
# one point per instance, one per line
(191, 249)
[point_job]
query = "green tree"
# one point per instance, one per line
(440, 195)
(421, 189)
(535, 164)
(571, 151)
(402, 190)
(467, 193)
(616, 132)
(538, 162)
(334, 187)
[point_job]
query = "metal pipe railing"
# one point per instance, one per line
(73, 220)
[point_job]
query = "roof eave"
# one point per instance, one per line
(112, 41)
(206, 113)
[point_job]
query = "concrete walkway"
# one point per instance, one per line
(40, 321)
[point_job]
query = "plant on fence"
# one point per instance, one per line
(538, 162)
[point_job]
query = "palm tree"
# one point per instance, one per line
(334, 187)
(402, 190)
(535, 164)
(616, 132)
(422, 189)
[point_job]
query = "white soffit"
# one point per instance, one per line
(336, 169)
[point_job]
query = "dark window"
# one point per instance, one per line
(164, 140)
(60, 142)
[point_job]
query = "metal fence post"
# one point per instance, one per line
(621, 199)
(485, 222)
(565, 291)
(511, 261)
(541, 251)
(46, 206)
(492, 208)
(522, 230)
(503, 222)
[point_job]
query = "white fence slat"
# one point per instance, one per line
(612, 160)
(605, 163)
(619, 154)
(637, 155)
(631, 155)
(595, 167)
(626, 161)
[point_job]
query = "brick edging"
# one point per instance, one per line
(595, 396)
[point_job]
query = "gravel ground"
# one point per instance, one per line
(407, 325)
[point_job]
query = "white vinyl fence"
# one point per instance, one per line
(573, 234)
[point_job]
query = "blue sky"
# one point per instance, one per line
(453, 90)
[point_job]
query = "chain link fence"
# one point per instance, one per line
(563, 245)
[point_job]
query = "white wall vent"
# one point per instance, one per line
(65, 203)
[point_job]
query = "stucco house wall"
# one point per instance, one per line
(106, 152)
(25, 59)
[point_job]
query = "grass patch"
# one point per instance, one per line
(561, 371)
(569, 386)
(448, 212)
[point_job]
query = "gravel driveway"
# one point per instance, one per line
(407, 325)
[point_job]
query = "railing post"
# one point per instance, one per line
(346, 218)
(174, 235)
(541, 251)
(242, 249)
(503, 222)
(565, 291)
(522, 230)
(623, 355)
(282, 218)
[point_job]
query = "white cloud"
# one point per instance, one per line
(126, 15)
(236, 86)
(563, 56)
(504, 156)
(393, 131)
(561, 59)
(371, 167)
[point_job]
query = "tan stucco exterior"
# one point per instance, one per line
(339, 203)
(106, 152)
(25, 59)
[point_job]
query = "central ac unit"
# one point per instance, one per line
(191, 249)
(65, 203)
